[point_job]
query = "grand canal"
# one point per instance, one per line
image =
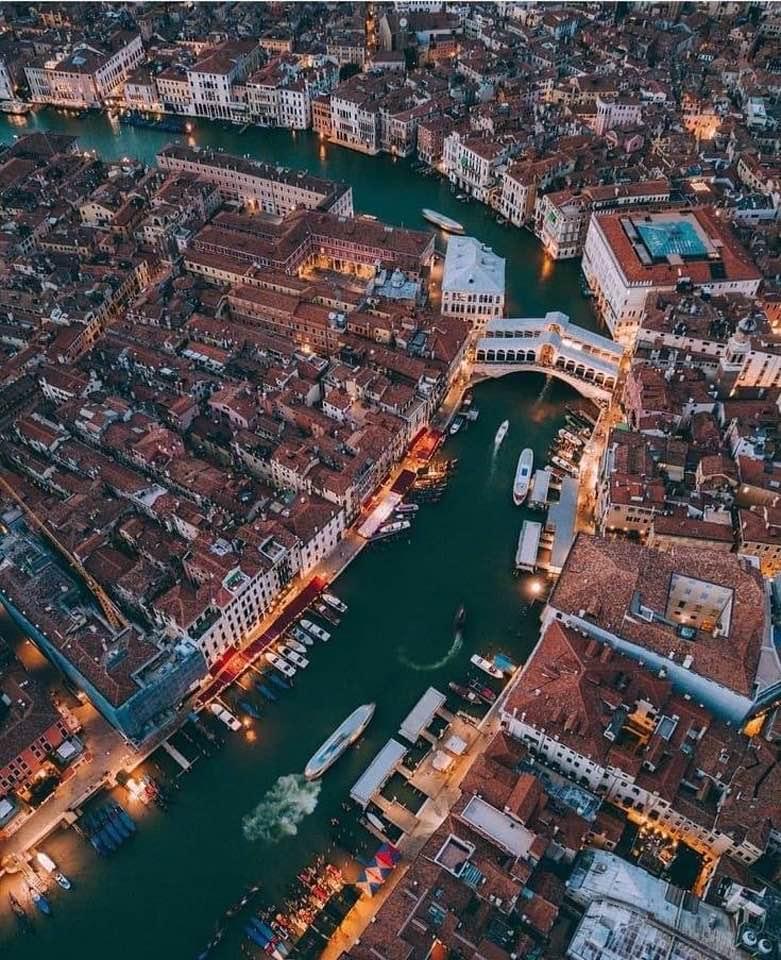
(162, 894)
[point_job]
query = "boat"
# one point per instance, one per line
(441, 221)
(407, 508)
(233, 723)
(295, 658)
(396, 526)
(565, 465)
(486, 666)
(255, 936)
(469, 695)
(486, 694)
(125, 818)
(523, 476)
(248, 707)
(501, 433)
(279, 663)
(266, 692)
(315, 630)
(326, 613)
(333, 601)
(572, 438)
(39, 901)
(301, 635)
(456, 425)
(280, 682)
(19, 912)
(295, 645)
(113, 831)
(274, 939)
(504, 663)
(375, 821)
(343, 737)
(460, 618)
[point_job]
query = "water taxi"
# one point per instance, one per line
(295, 658)
(315, 630)
(339, 605)
(301, 635)
(523, 475)
(486, 666)
(295, 645)
(279, 663)
(343, 737)
(464, 692)
(391, 529)
(441, 221)
(233, 723)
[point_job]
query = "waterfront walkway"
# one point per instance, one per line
(235, 662)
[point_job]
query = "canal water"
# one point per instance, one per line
(163, 894)
(382, 186)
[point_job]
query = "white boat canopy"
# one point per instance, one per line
(378, 772)
(421, 715)
(562, 516)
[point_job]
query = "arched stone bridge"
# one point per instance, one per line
(551, 345)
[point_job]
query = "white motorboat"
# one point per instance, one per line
(233, 723)
(295, 645)
(501, 433)
(523, 475)
(397, 526)
(302, 636)
(295, 658)
(343, 737)
(339, 605)
(486, 666)
(315, 630)
(279, 663)
(441, 221)
(456, 425)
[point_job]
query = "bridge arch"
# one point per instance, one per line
(586, 386)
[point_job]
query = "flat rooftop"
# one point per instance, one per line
(632, 915)
(379, 770)
(506, 833)
(422, 714)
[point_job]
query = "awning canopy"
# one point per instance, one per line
(421, 715)
(378, 772)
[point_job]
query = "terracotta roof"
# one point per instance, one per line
(640, 573)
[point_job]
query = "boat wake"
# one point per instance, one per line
(542, 396)
(282, 809)
(455, 646)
